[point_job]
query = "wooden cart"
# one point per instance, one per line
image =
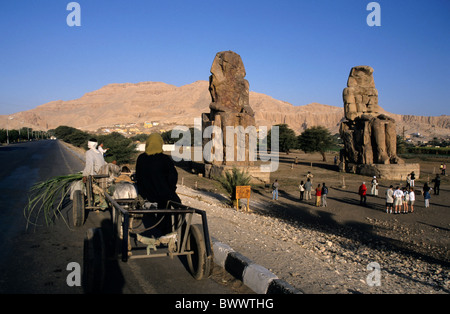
(176, 235)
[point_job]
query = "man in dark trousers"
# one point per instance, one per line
(437, 184)
(363, 194)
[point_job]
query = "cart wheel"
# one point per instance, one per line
(199, 264)
(78, 208)
(93, 261)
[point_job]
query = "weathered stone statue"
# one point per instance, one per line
(369, 136)
(360, 96)
(229, 108)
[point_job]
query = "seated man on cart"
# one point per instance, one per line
(94, 163)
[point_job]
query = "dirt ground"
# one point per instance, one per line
(344, 237)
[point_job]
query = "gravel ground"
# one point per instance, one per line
(324, 259)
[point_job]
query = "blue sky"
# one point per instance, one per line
(293, 50)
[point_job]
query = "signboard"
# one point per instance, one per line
(243, 192)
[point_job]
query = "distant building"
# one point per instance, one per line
(166, 147)
(150, 124)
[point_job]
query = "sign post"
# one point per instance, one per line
(243, 192)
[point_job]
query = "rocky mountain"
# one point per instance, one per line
(170, 105)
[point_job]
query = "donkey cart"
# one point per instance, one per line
(142, 231)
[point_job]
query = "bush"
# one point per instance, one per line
(233, 179)
(72, 136)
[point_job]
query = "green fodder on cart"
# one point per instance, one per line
(46, 199)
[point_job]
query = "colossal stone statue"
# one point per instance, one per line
(360, 96)
(369, 136)
(229, 107)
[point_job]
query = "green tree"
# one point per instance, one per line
(188, 140)
(13, 136)
(62, 131)
(140, 138)
(401, 145)
(25, 133)
(72, 136)
(2, 136)
(167, 137)
(316, 139)
(287, 139)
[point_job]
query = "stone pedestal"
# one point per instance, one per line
(385, 172)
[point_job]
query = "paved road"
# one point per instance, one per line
(36, 260)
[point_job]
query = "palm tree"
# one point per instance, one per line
(230, 180)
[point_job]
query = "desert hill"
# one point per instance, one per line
(170, 105)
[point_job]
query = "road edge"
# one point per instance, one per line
(254, 276)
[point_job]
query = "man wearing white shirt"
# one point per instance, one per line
(412, 199)
(398, 196)
(101, 149)
(94, 161)
(389, 199)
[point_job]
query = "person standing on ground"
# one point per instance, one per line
(412, 199)
(275, 187)
(324, 195)
(413, 178)
(302, 190)
(374, 190)
(363, 194)
(318, 195)
(389, 199)
(426, 195)
(398, 200)
(437, 184)
(308, 188)
(405, 200)
(408, 181)
(310, 176)
(443, 169)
